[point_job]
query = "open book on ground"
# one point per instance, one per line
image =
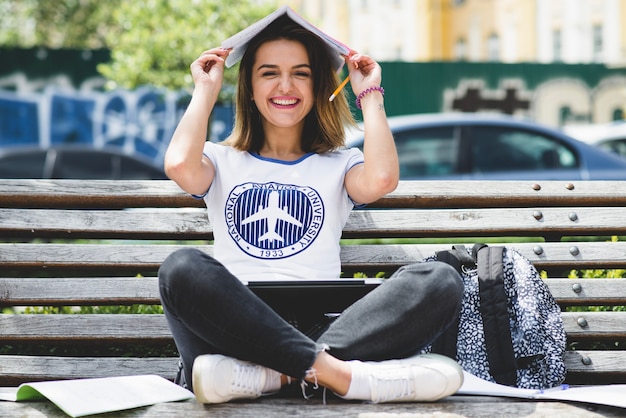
(610, 395)
(83, 397)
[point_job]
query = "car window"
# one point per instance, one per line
(427, 152)
(617, 146)
(79, 165)
(133, 169)
(22, 166)
(507, 149)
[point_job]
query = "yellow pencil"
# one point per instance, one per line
(338, 89)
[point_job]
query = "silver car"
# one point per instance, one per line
(474, 146)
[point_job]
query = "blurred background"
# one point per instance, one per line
(94, 89)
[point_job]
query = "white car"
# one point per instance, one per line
(607, 136)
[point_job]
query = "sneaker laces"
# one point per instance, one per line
(391, 385)
(311, 373)
(248, 379)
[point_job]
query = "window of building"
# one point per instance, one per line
(493, 47)
(460, 50)
(556, 45)
(597, 43)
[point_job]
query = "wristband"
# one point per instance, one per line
(367, 91)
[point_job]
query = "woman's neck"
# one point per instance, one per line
(282, 144)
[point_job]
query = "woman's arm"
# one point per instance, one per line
(184, 161)
(380, 173)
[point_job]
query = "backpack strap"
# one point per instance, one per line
(494, 312)
(459, 258)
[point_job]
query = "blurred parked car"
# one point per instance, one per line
(607, 136)
(75, 163)
(490, 146)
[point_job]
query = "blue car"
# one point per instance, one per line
(474, 146)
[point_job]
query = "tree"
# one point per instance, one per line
(152, 42)
(155, 41)
(80, 24)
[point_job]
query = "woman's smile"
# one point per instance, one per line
(284, 102)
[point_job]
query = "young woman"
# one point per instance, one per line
(278, 193)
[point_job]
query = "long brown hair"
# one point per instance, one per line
(323, 126)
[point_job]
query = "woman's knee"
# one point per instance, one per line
(449, 278)
(177, 264)
(434, 278)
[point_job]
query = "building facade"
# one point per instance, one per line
(569, 31)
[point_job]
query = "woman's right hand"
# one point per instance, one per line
(208, 69)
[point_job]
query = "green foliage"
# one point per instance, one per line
(154, 42)
(56, 24)
(597, 274)
(361, 275)
(97, 350)
(131, 309)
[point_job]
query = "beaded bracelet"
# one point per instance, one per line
(366, 91)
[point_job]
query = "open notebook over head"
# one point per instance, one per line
(239, 42)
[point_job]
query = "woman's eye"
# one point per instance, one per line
(269, 74)
(302, 74)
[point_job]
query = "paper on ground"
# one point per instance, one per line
(83, 397)
(610, 395)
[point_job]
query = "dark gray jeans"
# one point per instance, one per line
(211, 311)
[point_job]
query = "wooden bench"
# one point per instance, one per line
(71, 243)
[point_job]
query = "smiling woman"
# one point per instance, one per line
(278, 192)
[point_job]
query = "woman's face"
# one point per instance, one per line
(282, 83)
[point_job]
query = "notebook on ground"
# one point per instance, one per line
(82, 397)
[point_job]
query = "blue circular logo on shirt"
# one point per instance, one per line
(273, 220)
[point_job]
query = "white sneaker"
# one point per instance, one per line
(426, 378)
(217, 378)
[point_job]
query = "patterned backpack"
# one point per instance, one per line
(510, 329)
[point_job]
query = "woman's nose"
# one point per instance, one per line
(285, 84)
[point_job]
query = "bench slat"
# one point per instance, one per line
(433, 193)
(485, 194)
(588, 367)
(148, 257)
(132, 290)
(79, 291)
(135, 224)
(153, 327)
(594, 325)
(593, 292)
(85, 327)
(93, 194)
(18, 369)
(193, 224)
(290, 406)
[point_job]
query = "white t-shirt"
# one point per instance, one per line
(276, 219)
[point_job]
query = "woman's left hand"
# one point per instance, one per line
(364, 72)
